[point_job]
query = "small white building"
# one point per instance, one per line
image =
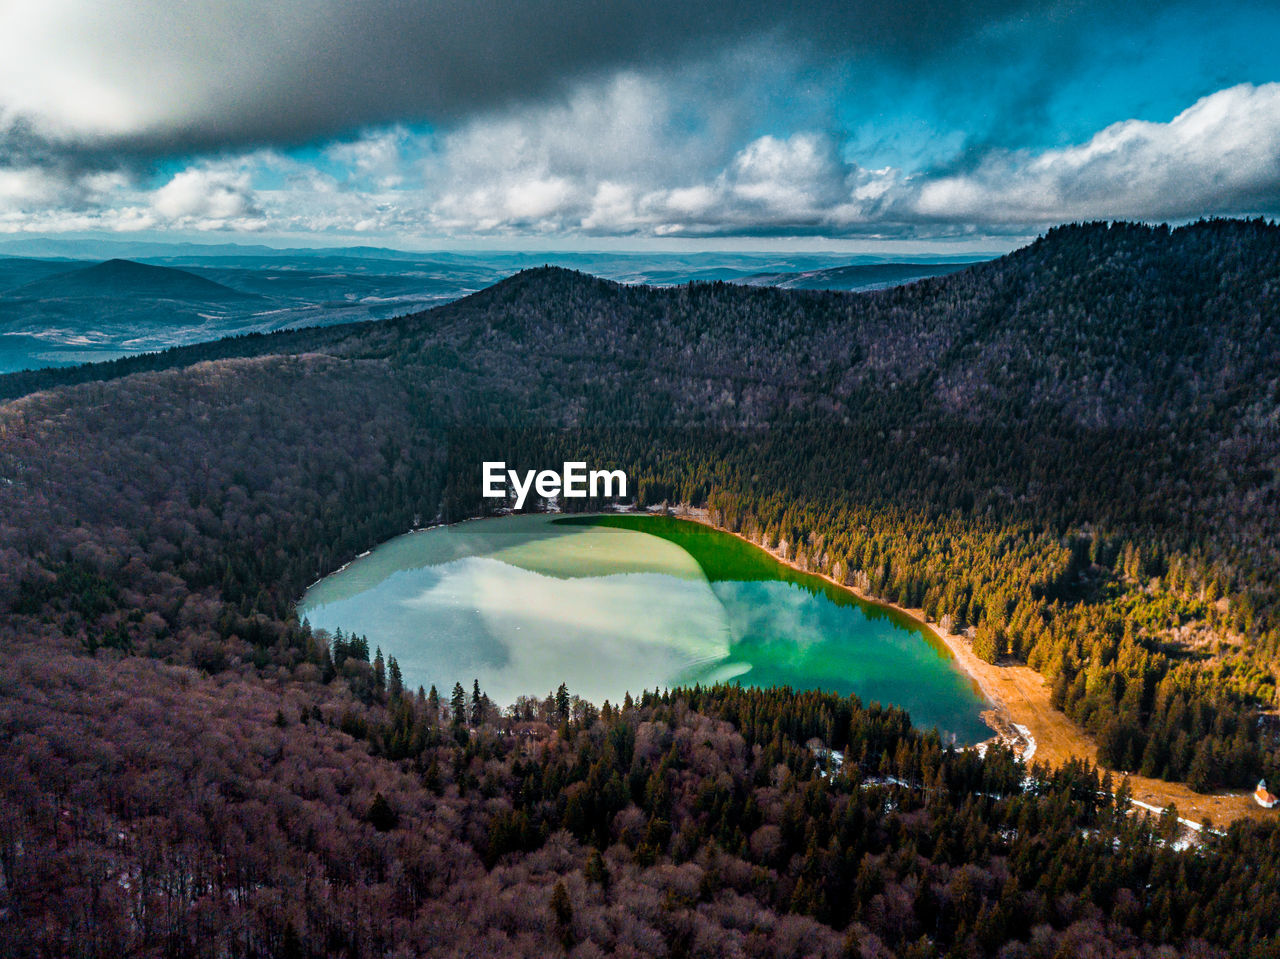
(1264, 798)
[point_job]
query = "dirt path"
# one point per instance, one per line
(1019, 696)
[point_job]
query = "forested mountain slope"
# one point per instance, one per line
(1072, 450)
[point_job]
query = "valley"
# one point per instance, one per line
(649, 480)
(1068, 455)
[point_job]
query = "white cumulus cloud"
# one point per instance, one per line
(1221, 155)
(625, 157)
(206, 198)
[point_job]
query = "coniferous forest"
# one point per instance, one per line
(1072, 452)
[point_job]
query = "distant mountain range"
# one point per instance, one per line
(859, 276)
(19, 270)
(512, 260)
(125, 278)
(59, 311)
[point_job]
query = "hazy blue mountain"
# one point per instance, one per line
(73, 313)
(18, 270)
(508, 261)
(56, 310)
(116, 278)
(106, 249)
(859, 276)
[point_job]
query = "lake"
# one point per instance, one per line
(610, 604)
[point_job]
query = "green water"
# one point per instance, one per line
(609, 604)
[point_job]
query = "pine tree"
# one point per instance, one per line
(381, 816)
(597, 871)
(562, 912)
(458, 703)
(1203, 774)
(395, 681)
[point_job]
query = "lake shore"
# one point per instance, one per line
(1020, 697)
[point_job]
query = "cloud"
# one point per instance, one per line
(29, 185)
(1219, 156)
(591, 159)
(206, 197)
(153, 77)
(562, 169)
(530, 175)
(651, 118)
(38, 198)
(783, 176)
(622, 158)
(376, 158)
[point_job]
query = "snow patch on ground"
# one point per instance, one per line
(1030, 749)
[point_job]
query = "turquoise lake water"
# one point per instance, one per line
(625, 603)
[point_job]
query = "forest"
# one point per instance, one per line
(1072, 452)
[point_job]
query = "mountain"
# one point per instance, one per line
(599, 261)
(97, 249)
(127, 279)
(1070, 455)
(860, 276)
(16, 270)
(61, 312)
(67, 313)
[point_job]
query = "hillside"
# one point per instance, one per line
(17, 270)
(869, 276)
(100, 312)
(125, 278)
(1072, 452)
(1106, 325)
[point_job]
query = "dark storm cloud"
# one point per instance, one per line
(203, 76)
(642, 118)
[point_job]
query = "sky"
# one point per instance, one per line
(631, 124)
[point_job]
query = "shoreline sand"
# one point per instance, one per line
(1019, 696)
